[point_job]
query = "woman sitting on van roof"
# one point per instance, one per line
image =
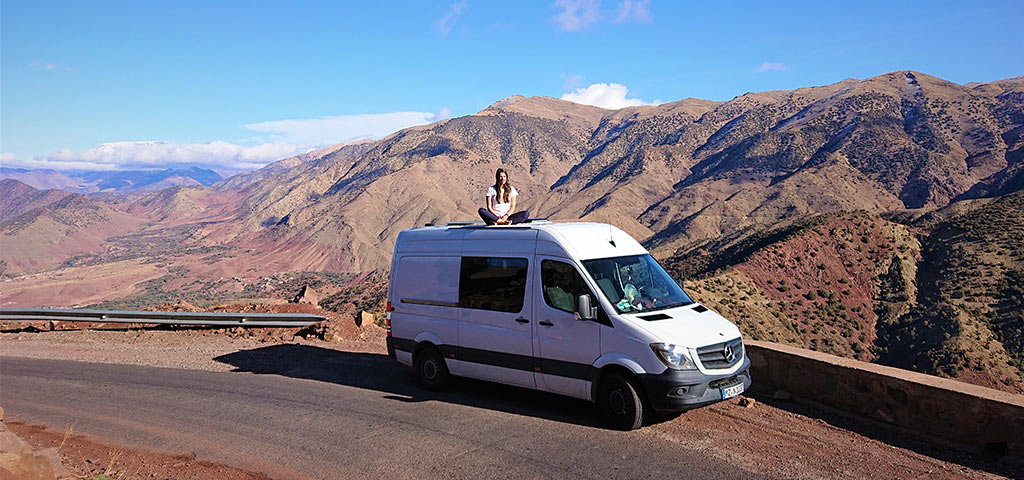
(501, 199)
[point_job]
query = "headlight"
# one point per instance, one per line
(674, 356)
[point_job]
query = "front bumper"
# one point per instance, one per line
(664, 389)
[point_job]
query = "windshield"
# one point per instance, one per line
(636, 283)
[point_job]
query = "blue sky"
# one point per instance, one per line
(238, 84)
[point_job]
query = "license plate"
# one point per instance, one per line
(729, 392)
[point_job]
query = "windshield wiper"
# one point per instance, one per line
(663, 307)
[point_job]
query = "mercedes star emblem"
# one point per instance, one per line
(730, 355)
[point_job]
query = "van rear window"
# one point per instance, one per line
(427, 279)
(493, 283)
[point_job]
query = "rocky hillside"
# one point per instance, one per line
(939, 294)
(669, 174)
(967, 319)
(812, 282)
(43, 238)
(19, 198)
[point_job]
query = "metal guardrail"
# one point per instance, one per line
(213, 319)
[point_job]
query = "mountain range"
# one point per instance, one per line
(890, 205)
(111, 181)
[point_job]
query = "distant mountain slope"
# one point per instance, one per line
(296, 164)
(899, 140)
(45, 237)
(426, 174)
(149, 180)
(17, 198)
(111, 181)
(673, 173)
(42, 179)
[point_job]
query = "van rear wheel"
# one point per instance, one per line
(620, 402)
(431, 370)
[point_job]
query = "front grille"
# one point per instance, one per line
(713, 357)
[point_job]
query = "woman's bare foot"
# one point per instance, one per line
(503, 222)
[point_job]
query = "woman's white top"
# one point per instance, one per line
(500, 208)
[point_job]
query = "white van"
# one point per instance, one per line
(578, 309)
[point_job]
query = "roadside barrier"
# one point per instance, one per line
(213, 319)
(945, 408)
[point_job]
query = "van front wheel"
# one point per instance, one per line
(431, 370)
(620, 402)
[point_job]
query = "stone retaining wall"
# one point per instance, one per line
(937, 406)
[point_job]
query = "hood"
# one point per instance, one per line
(691, 326)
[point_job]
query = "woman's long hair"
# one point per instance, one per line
(504, 191)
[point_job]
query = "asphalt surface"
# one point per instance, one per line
(309, 412)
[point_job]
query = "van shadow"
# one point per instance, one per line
(375, 371)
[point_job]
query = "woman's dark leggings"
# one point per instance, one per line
(491, 219)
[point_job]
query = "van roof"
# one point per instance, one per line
(580, 240)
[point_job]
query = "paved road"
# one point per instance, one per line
(319, 413)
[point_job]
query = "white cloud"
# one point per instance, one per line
(156, 155)
(605, 95)
(279, 139)
(455, 10)
(573, 82)
(579, 14)
(639, 10)
(341, 128)
(576, 14)
(771, 67)
(48, 66)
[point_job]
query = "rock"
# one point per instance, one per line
(9, 442)
(332, 337)
(782, 395)
(306, 295)
(365, 318)
(17, 460)
(50, 456)
(1, 414)
(747, 402)
(316, 330)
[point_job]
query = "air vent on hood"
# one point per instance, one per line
(656, 316)
(700, 309)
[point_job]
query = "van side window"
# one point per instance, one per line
(427, 278)
(561, 285)
(493, 283)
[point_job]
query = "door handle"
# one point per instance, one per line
(546, 323)
(522, 320)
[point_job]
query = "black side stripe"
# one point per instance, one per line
(497, 359)
(566, 369)
(548, 366)
(403, 344)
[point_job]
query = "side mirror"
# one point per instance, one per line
(584, 307)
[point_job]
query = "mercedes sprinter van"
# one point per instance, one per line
(578, 309)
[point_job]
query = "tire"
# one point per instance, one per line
(620, 402)
(431, 371)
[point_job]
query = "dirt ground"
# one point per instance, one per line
(89, 458)
(774, 437)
